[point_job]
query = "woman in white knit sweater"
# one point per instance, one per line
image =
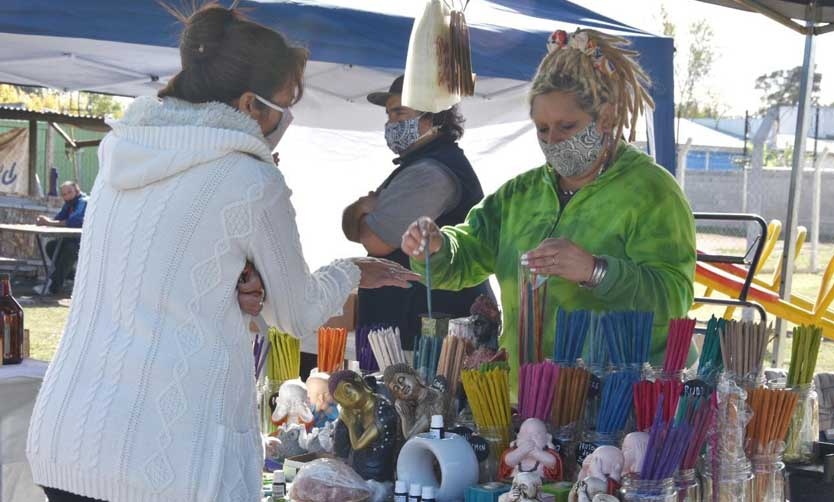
(151, 395)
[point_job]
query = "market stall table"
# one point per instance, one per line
(42, 234)
(19, 386)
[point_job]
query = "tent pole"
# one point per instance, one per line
(797, 168)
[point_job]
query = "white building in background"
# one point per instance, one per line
(782, 135)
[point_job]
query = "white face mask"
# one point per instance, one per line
(273, 137)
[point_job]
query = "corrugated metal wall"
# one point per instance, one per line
(87, 157)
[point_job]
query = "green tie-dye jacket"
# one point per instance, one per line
(634, 215)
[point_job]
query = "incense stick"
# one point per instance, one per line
(710, 362)
(331, 349)
(386, 347)
(616, 401)
(806, 346)
(772, 411)
(677, 345)
(570, 391)
(488, 392)
(743, 349)
(571, 331)
(537, 384)
(428, 276)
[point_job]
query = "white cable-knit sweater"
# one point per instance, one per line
(151, 394)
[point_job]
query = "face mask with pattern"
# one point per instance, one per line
(575, 156)
(401, 135)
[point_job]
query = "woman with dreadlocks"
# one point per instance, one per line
(610, 229)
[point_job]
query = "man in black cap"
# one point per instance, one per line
(433, 178)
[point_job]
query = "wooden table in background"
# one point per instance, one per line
(43, 234)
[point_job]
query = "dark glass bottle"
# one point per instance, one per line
(11, 323)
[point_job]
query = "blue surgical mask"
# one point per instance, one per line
(401, 135)
(575, 156)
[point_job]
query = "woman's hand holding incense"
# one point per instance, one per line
(419, 233)
(377, 273)
(562, 258)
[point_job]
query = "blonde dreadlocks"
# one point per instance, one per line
(598, 69)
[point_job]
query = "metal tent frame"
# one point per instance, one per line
(817, 18)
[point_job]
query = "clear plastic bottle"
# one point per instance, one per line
(805, 426)
(647, 490)
(769, 472)
(688, 486)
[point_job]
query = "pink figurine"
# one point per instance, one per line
(634, 451)
(532, 451)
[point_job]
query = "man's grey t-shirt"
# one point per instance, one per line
(426, 188)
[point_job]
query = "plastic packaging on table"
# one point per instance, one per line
(727, 475)
(329, 480)
(769, 472)
(648, 490)
(805, 426)
(688, 486)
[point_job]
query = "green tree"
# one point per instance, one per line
(781, 88)
(700, 58)
(39, 99)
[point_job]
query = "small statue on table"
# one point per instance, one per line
(486, 320)
(526, 488)
(367, 431)
(532, 451)
(292, 406)
(414, 401)
(318, 393)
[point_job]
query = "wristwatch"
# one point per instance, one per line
(598, 275)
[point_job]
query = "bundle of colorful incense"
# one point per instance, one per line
(364, 352)
(743, 346)
(536, 387)
(772, 412)
(666, 448)
(677, 345)
(571, 330)
(261, 348)
(647, 396)
(628, 337)
(597, 352)
(386, 346)
(331, 354)
(806, 346)
(569, 396)
(616, 401)
(427, 355)
(284, 360)
(531, 316)
(700, 413)
(488, 392)
(454, 350)
(710, 363)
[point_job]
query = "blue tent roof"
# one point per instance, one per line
(508, 39)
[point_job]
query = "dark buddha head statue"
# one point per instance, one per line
(486, 319)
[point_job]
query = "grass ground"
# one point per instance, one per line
(45, 321)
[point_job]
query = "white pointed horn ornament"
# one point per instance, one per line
(438, 68)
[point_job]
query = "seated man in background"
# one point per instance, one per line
(72, 216)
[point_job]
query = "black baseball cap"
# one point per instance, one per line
(380, 98)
